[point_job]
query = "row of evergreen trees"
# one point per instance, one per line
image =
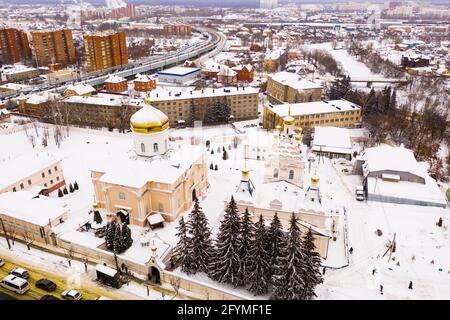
(118, 237)
(262, 259)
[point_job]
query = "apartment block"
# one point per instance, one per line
(335, 113)
(14, 46)
(52, 47)
(105, 50)
(177, 29)
(289, 87)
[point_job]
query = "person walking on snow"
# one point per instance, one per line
(373, 271)
(351, 250)
(410, 285)
(381, 289)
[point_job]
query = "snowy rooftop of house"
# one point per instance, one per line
(15, 86)
(178, 71)
(315, 107)
(30, 207)
(100, 99)
(392, 158)
(39, 98)
(137, 171)
(295, 81)
(115, 79)
(428, 192)
(332, 139)
(143, 78)
(14, 170)
(163, 94)
(226, 71)
(81, 88)
(16, 68)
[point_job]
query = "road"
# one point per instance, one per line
(88, 290)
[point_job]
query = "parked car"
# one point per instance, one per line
(102, 298)
(49, 297)
(19, 272)
(2, 262)
(46, 285)
(359, 192)
(15, 284)
(71, 295)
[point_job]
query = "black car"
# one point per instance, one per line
(46, 285)
(49, 297)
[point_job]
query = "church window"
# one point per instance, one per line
(155, 147)
(291, 174)
(142, 147)
(160, 207)
(275, 173)
(122, 195)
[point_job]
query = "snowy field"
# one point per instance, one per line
(423, 249)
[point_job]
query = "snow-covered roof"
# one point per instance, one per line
(115, 79)
(106, 270)
(332, 139)
(178, 71)
(137, 172)
(162, 94)
(315, 107)
(225, 71)
(22, 167)
(81, 88)
(155, 218)
(39, 98)
(148, 114)
(143, 78)
(392, 158)
(30, 207)
(103, 100)
(295, 81)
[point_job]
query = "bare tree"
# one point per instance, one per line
(28, 238)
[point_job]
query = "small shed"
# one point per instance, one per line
(108, 276)
(155, 220)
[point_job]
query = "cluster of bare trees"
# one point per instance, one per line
(324, 62)
(372, 59)
(418, 120)
(141, 50)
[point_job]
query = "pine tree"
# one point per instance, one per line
(259, 268)
(60, 193)
(227, 262)
(75, 186)
(71, 189)
(97, 217)
(225, 155)
(247, 233)
(117, 241)
(313, 275)
(181, 255)
(65, 191)
(125, 238)
(211, 166)
(216, 167)
(288, 280)
(200, 246)
(277, 242)
(110, 235)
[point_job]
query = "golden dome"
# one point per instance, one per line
(278, 128)
(148, 119)
(288, 120)
(315, 180)
(297, 137)
(299, 130)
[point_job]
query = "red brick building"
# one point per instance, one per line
(245, 73)
(144, 83)
(116, 84)
(14, 46)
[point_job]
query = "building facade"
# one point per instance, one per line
(105, 50)
(53, 47)
(289, 87)
(14, 46)
(335, 113)
(149, 192)
(144, 83)
(177, 29)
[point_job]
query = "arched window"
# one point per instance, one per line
(275, 173)
(142, 147)
(291, 174)
(155, 147)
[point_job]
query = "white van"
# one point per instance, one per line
(15, 284)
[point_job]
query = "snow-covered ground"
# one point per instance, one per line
(419, 241)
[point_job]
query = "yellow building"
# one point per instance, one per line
(157, 178)
(289, 87)
(336, 113)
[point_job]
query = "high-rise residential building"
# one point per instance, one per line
(268, 4)
(105, 50)
(52, 47)
(14, 46)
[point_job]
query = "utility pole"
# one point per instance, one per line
(6, 234)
